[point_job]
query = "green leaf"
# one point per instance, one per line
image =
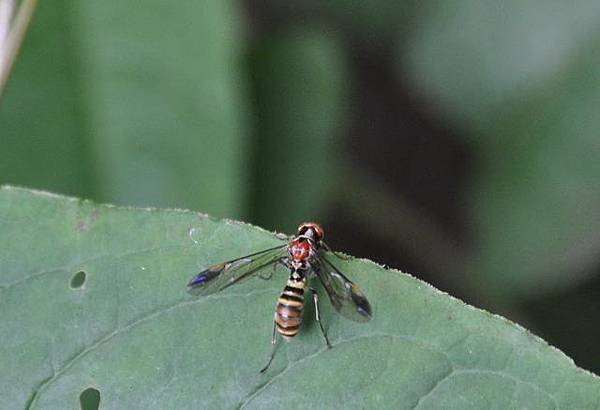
(130, 104)
(300, 84)
(523, 78)
(377, 21)
(93, 296)
(40, 116)
(476, 59)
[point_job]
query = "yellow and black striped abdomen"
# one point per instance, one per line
(288, 312)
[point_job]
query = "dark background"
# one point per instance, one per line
(456, 141)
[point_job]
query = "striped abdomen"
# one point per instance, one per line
(288, 312)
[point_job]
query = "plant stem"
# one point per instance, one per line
(12, 33)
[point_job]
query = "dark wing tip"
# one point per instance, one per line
(363, 307)
(200, 280)
(197, 280)
(196, 283)
(365, 311)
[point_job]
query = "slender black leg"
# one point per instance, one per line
(318, 315)
(274, 344)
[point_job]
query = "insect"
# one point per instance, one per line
(305, 256)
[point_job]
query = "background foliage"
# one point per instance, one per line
(454, 140)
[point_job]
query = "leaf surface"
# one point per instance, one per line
(133, 105)
(131, 331)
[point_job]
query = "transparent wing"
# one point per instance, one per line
(225, 274)
(344, 294)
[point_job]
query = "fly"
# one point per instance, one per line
(304, 256)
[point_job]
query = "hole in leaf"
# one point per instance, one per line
(89, 399)
(78, 280)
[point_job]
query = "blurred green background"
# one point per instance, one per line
(458, 141)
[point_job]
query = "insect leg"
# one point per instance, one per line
(274, 344)
(274, 337)
(318, 315)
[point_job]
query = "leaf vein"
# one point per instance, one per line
(74, 265)
(515, 380)
(145, 318)
(292, 365)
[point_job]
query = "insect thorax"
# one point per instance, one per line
(299, 274)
